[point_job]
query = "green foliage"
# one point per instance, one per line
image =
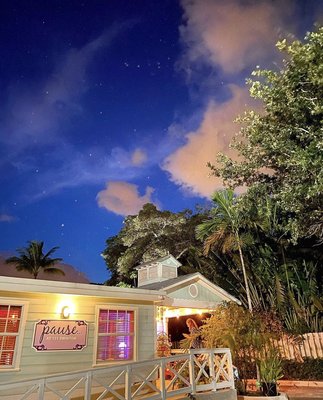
(281, 147)
(152, 234)
(270, 367)
(190, 339)
(282, 276)
(309, 370)
(305, 311)
(145, 236)
(32, 260)
(123, 285)
(235, 327)
(223, 230)
(246, 334)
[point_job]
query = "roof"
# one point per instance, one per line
(160, 260)
(167, 283)
(171, 284)
(160, 292)
(10, 284)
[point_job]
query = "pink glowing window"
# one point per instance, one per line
(10, 317)
(115, 335)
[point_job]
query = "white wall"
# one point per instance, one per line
(35, 364)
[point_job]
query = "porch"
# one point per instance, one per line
(201, 371)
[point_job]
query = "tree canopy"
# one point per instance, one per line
(282, 147)
(149, 235)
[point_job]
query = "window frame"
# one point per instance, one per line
(19, 335)
(107, 307)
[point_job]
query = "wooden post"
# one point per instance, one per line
(128, 383)
(88, 386)
(192, 372)
(212, 369)
(41, 389)
(230, 368)
(162, 378)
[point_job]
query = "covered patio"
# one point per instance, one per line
(186, 296)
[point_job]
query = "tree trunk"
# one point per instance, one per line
(244, 274)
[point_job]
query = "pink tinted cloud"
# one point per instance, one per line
(123, 198)
(231, 34)
(187, 166)
(138, 157)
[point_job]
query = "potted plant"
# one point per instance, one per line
(270, 371)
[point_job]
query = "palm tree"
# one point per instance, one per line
(33, 260)
(223, 231)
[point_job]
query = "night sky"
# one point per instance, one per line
(108, 105)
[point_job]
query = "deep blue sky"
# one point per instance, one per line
(106, 105)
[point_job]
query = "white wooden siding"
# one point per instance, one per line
(204, 294)
(35, 364)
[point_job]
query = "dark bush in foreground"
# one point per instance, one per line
(310, 369)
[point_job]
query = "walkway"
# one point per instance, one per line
(302, 393)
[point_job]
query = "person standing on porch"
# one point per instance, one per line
(195, 333)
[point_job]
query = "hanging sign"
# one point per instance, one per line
(53, 335)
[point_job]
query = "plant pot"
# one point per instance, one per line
(269, 388)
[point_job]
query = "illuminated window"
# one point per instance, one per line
(10, 322)
(116, 335)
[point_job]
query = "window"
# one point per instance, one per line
(10, 322)
(193, 290)
(116, 335)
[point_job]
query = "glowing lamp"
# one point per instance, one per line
(66, 312)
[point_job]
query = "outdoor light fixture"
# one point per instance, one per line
(66, 312)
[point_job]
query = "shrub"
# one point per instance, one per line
(311, 369)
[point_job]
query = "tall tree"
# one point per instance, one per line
(152, 234)
(281, 149)
(224, 231)
(32, 260)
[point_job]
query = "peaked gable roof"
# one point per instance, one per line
(172, 285)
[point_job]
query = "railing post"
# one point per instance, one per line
(212, 369)
(192, 372)
(162, 378)
(128, 383)
(41, 389)
(230, 368)
(88, 386)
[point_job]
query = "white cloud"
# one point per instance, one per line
(123, 198)
(188, 164)
(232, 34)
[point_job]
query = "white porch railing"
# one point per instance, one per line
(158, 379)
